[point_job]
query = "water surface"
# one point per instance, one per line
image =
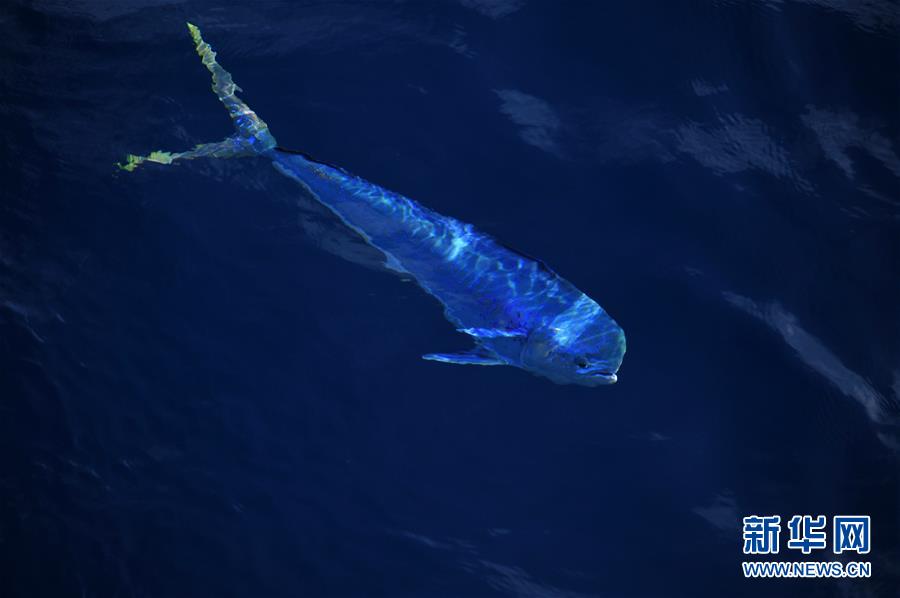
(210, 389)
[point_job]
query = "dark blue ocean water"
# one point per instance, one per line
(209, 389)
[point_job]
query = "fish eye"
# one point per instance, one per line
(582, 362)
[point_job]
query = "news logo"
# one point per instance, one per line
(807, 534)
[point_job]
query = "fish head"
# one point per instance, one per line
(581, 346)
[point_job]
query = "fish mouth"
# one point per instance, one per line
(609, 377)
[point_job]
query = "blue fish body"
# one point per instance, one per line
(518, 311)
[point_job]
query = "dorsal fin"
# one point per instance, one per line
(541, 263)
(285, 150)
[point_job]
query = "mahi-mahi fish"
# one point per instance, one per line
(517, 310)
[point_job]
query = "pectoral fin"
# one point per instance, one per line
(474, 357)
(493, 332)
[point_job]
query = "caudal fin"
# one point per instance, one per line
(252, 135)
